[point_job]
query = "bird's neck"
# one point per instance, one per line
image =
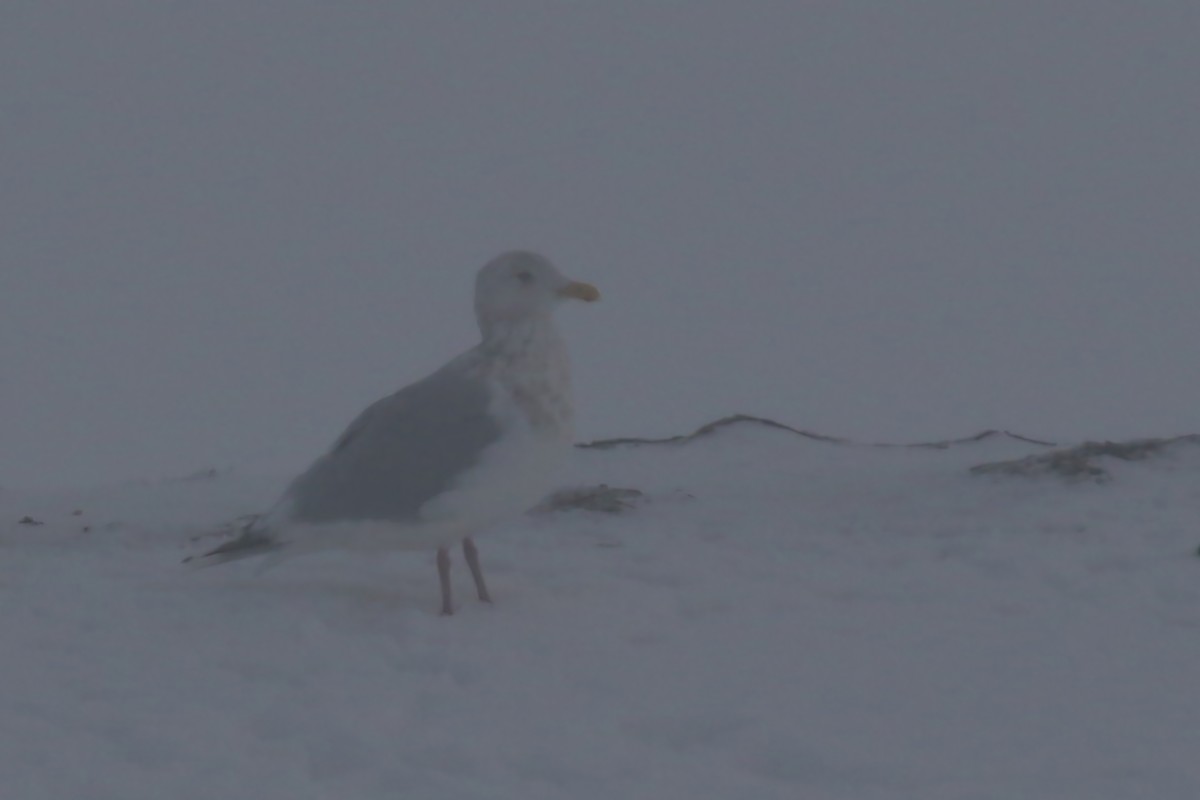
(525, 337)
(531, 365)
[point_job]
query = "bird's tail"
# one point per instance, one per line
(254, 540)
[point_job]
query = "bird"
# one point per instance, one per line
(474, 443)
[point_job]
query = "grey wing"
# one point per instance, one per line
(400, 452)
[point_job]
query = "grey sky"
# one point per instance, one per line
(226, 227)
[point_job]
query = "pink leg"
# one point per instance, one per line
(472, 554)
(443, 565)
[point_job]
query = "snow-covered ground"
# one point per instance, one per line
(776, 618)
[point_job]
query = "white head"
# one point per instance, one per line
(520, 285)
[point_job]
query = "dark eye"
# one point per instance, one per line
(525, 277)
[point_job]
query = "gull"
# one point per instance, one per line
(476, 442)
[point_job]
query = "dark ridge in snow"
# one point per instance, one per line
(1080, 462)
(739, 419)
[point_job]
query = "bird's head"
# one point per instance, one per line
(520, 285)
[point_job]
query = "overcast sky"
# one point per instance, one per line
(227, 226)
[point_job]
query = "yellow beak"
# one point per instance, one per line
(580, 291)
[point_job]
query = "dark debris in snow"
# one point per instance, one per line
(1083, 461)
(603, 498)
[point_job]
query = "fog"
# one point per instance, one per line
(226, 227)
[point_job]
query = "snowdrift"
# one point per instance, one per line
(742, 612)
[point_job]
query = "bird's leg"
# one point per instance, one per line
(472, 554)
(443, 565)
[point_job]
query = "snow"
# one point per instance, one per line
(774, 617)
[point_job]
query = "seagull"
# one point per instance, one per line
(428, 467)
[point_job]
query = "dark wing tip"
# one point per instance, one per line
(247, 545)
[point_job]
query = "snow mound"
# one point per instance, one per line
(815, 621)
